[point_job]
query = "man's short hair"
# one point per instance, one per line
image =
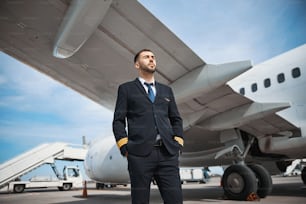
(138, 53)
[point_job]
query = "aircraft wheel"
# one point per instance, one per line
(303, 175)
(238, 182)
(264, 181)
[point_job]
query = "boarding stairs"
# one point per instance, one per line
(42, 154)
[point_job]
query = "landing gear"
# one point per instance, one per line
(264, 181)
(238, 182)
(303, 175)
(245, 182)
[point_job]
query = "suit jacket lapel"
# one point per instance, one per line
(141, 88)
(157, 87)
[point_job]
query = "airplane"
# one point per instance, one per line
(250, 118)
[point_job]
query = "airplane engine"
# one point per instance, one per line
(104, 163)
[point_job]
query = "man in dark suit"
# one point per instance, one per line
(154, 134)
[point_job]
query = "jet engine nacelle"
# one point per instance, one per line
(104, 163)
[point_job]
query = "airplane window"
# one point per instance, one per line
(296, 72)
(267, 83)
(254, 87)
(281, 78)
(242, 91)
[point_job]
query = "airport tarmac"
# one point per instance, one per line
(285, 190)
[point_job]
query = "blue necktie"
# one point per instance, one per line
(150, 91)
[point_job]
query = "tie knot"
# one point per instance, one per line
(148, 84)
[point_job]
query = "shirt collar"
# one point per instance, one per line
(142, 81)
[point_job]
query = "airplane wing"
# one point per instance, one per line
(212, 121)
(89, 46)
(94, 53)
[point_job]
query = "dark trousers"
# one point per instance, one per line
(161, 166)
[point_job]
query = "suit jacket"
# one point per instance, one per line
(146, 119)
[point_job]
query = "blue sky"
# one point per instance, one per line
(35, 109)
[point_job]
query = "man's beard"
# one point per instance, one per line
(148, 70)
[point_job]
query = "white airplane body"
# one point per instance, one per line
(88, 46)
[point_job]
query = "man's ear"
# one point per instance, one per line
(136, 65)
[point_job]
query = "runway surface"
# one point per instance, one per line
(286, 190)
